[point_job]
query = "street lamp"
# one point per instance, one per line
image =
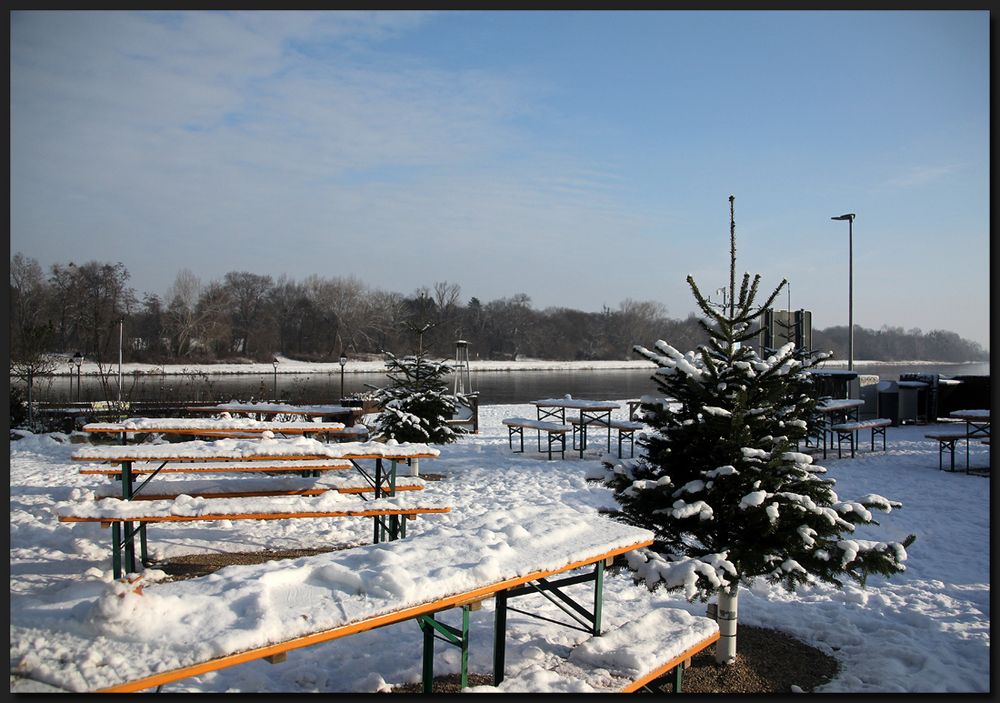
(78, 360)
(343, 363)
(275, 364)
(850, 286)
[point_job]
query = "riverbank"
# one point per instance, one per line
(291, 366)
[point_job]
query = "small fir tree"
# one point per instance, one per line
(416, 406)
(721, 482)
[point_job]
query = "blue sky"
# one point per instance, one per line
(582, 158)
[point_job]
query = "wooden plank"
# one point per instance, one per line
(391, 618)
(378, 512)
(668, 665)
(224, 467)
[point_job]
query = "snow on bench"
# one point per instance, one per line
(186, 508)
(622, 660)
(187, 424)
(626, 430)
(554, 432)
(246, 449)
(848, 431)
(230, 466)
(947, 441)
(241, 487)
(626, 433)
(119, 640)
(132, 516)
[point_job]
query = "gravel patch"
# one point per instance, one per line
(767, 661)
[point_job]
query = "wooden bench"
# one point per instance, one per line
(252, 487)
(849, 431)
(947, 441)
(120, 514)
(548, 551)
(304, 467)
(626, 433)
(626, 430)
(656, 644)
(554, 432)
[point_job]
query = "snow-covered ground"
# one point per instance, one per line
(926, 630)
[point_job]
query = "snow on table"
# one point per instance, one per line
(276, 408)
(577, 403)
(159, 424)
(229, 448)
(250, 484)
(186, 506)
(976, 414)
(120, 635)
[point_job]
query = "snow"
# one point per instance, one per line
(925, 630)
(158, 424)
(569, 401)
(973, 414)
(198, 449)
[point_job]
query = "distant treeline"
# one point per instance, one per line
(76, 308)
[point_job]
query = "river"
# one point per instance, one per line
(494, 387)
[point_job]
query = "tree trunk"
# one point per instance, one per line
(725, 648)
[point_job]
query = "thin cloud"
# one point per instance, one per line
(922, 175)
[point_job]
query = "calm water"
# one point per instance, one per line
(494, 387)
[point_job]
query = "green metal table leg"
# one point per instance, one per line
(393, 519)
(143, 547)
(116, 552)
(499, 636)
(127, 527)
(428, 671)
(452, 635)
(598, 595)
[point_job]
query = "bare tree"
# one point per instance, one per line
(181, 320)
(214, 330)
(249, 294)
(345, 299)
(31, 333)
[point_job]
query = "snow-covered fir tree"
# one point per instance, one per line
(721, 481)
(416, 404)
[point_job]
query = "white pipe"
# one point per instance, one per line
(725, 648)
(121, 326)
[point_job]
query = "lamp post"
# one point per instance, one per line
(275, 392)
(78, 360)
(343, 363)
(850, 286)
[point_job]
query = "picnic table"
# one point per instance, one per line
(240, 451)
(269, 410)
(224, 427)
(590, 412)
(315, 599)
(977, 424)
(834, 411)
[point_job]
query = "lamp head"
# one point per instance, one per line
(275, 364)
(849, 216)
(78, 359)
(343, 359)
